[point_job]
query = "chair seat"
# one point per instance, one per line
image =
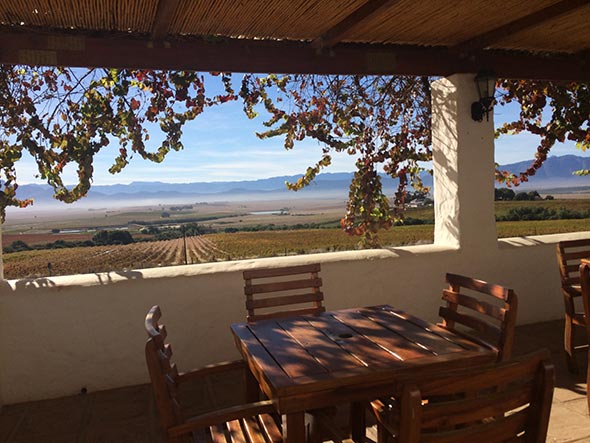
(261, 428)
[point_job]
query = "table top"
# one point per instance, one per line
(316, 361)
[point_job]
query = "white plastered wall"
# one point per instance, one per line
(61, 334)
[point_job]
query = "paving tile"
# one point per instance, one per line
(127, 431)
(121, 404)
(8, 425)
(546, 334)
(49, 438)
(567, 426)
(45, 419)
(579, 406)
(562, 394)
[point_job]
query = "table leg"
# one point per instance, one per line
(357, 421)
(252, 387)
(294, 428)
(588, 382)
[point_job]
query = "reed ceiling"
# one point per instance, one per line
(534, 39)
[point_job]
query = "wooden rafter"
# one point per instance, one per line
(536, 18)
(242, 55)
(164, 16)
(335, 34)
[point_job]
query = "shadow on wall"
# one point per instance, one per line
(103, 279)
(448, 175)
(28, 283)
(129, 275)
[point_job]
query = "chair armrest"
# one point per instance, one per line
(222, 416)
(572, 290)
(210, 369)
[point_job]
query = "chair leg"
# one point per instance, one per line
(383, 436)
(588, 382)
(321, 423)
(252, 387)
(568, 344)
(314, 431)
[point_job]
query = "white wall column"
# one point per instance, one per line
(463, 160)
(1, 255)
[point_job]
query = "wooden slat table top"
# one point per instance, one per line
(310, 361)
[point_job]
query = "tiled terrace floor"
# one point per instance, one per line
(128, 415)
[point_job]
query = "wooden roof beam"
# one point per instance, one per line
(242, 55)
(536, 18)
(335, 34)
(164, 15)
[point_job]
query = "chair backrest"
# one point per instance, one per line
(490, 322)
(163, 373)
(283, 292)
(569, 254)
(509, 401)
(584, 273)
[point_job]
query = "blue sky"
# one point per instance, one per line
(221, 145)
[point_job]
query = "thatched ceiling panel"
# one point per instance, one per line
(567, 33)
(88, 15)
(278, 19)
(434, 22)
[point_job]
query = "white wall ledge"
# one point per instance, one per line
(171, 272)
(536, 240)
(105, 278)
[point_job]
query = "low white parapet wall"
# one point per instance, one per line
(61, 334)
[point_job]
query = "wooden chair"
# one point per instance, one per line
(505, 402)
(248, 423)
(479, 319)
(585, 290)
(283, 292)
(487, 323)
(569, 254)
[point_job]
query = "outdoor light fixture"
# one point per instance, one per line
(486, 86)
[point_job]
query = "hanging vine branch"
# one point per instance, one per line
(384, 121)
(556, 112)
(64, 117)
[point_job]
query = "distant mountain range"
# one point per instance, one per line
(556, 173)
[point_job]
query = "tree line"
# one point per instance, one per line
(506, 194)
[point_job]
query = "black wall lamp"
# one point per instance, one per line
(486, 87)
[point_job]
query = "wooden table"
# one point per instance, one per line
(338, 357)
